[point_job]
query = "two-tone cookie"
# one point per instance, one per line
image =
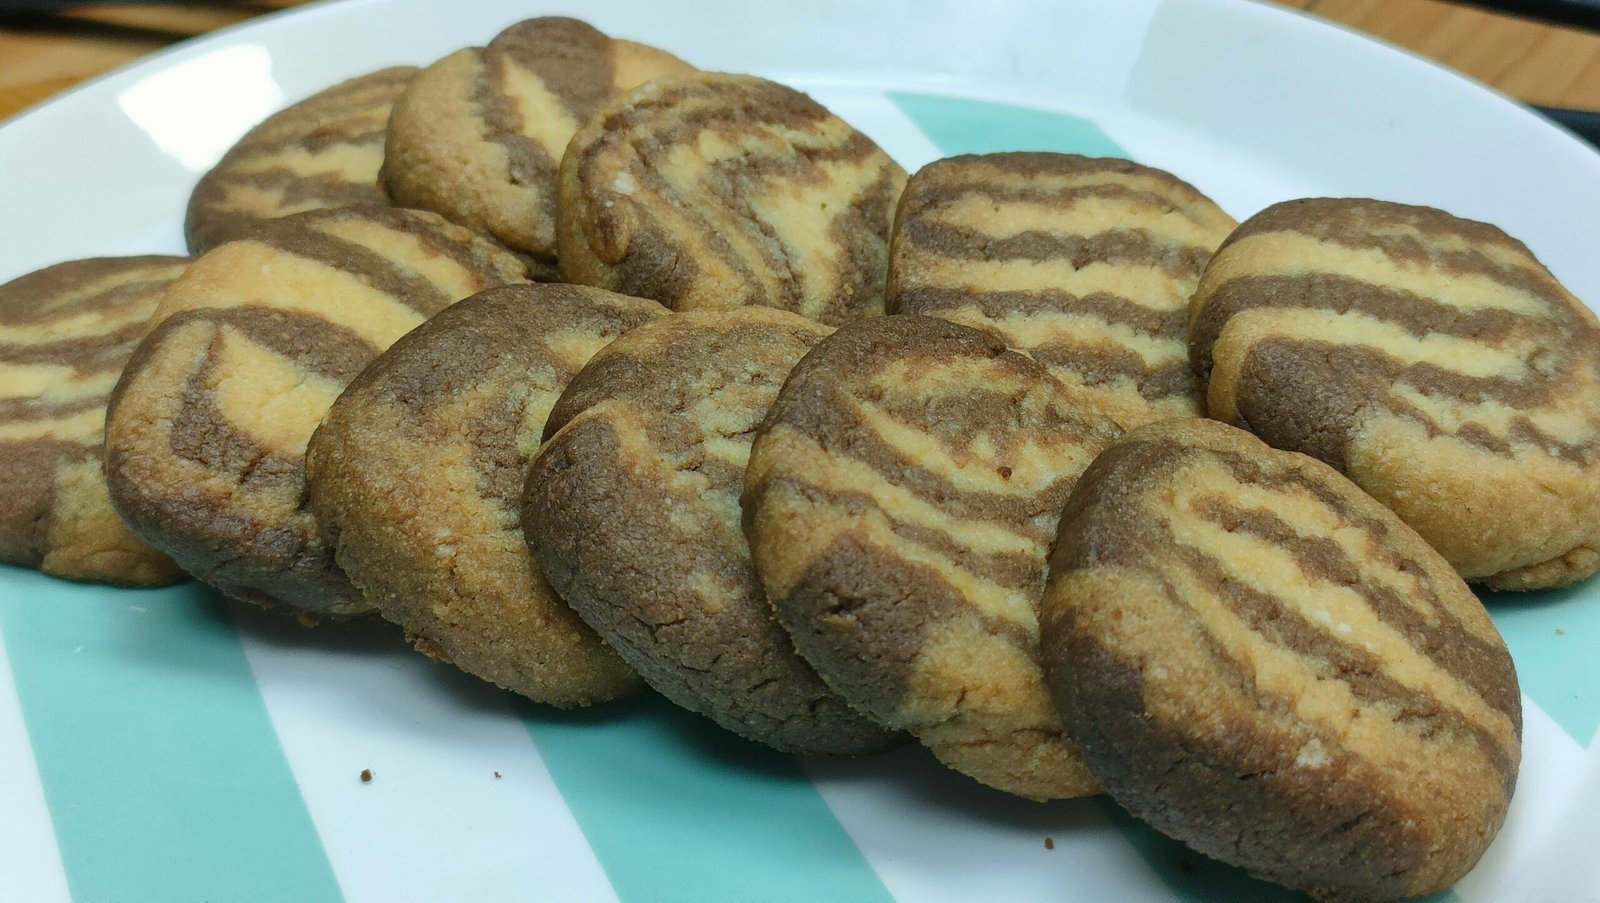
(324, 151)
(207, 429)
(1262, 661)
(1431, 359)
(632, 510)
(65, 333)
(415, 477)
(900, 502)
(1084, 264)
(720, 190)
(479, 136)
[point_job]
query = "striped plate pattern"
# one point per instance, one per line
(1430, 358)
(725, 190)
(900, 501)
(1262, 661)
(415, 478)
(65, 334)
(478, 137)
(207, 431)
(324, 151)
(168, 745)
(1085, 264)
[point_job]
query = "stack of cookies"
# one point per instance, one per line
(1041, 460)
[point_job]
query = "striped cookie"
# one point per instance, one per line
(478, 138)
(632, 509)
(900, 501)
(1266, 664)
(415, 478)
(1084, 264)
(324, 151)
(1431, 359)
(65, 333)
(721, 190)
(207, 431)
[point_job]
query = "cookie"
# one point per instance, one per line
(719, 190)
(65, 333)
(479, 136)
(324, 151)
(900, 501)
(632, 509)
(1431, 359)
(415, 478)
(207, 430)
(1263, 662)
(1084, 264)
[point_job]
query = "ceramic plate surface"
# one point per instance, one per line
(170, 746)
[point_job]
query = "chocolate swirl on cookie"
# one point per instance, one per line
(324, 151)
(478, 138)
(415, 477)
(726, 190)
(900, 502)
(632, 508)
(1084, 264)
(206, 437)
(65, 333)
(1262, 661)
(1432, 359)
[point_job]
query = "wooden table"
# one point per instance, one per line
(43, 55)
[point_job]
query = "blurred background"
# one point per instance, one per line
(1548, 55)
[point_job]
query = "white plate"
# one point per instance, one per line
(165, 745)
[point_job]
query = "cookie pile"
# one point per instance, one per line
(1021, 518)
(478, 139)
(206, 431)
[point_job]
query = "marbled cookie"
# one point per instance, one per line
(65, 333)
(1262, 661)
(1431, 359)
(632, 509)
(721, 190)
(900, 501)
(479, 137)
(415, 477)
(1084, 264)
(324, 151)
(207, 432)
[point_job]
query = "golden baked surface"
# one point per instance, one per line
(324, 151)
(1260, 660)
(900, 501)
(65, 333)
(479, 135)
(1084, 264)
(207, 431)
(415, 477)
(633, 509)
(719, 190)
(1431, 359)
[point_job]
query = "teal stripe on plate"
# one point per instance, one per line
(1554, 638)
(960, 126)
(677, 809)
(1198, 879)
(160, 766)
(1192, 877)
